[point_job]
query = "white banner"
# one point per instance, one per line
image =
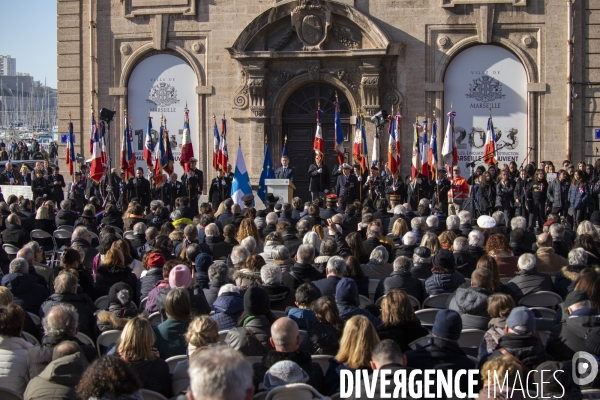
(162, 85)
(478, 78)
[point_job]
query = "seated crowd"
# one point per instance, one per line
(286, 287)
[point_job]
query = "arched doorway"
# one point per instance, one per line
(299, 125)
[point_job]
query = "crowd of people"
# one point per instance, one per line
(291, 282)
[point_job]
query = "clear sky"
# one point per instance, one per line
(28, 34)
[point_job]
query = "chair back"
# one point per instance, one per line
(36, 319)
(105, 339)
(323, 361)
(364, 301)
(223, 335)
(427, 316)
(373, 283)
(128, 235)
(544, 312)
(437, 301)
(7, 394)
(102, 302)
(470, 339)
(541, 299)
(30, 338)
(279, 314)
(155, 319)
(151, 395)
(143, 303)
(173, 361)
(85, 339)
(254, 359)
(66, 228)
(10, 250)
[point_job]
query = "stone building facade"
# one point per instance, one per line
(266, 63)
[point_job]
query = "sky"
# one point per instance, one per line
(29, 34)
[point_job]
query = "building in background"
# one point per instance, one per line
(8, 65)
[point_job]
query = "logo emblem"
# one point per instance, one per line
(485, 88)
(163, 95)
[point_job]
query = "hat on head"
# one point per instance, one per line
(283, 373)
(346, 166)
(521, 320)
(89, 214)
(180, 277)
(331, 198)
(256, 301)
(271, 198)
(444, 259)
(486, 222)
(278, 207)
(442, 169)
(120, 293)
(346, 292)
(356, 166)
(595, 218)
(247, 198)
(374, 168)
(422, 252)
(156, 260)
(576, 296)
(193, 159)
(447, 325)
(202, 262)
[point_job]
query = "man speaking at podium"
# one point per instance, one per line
(285, 172)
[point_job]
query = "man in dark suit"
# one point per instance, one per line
(139, 188)
(199, 175)
(290, 240)
(330, 211)
(285, 172)
(347, 185)
(286, 214)
(57, 184)
(221, 250)
(336, 267)
(318, 174)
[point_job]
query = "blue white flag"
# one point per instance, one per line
(241, 180)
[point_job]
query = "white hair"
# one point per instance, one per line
(270, 274)
(402, 263)
(526, 261)
(313, 239)
(460, 245)
(379, 254)
(452, 222)
(416, 223)
(79, 232)
(213, 230)
(465, 217)
(336, 265)
(399, 209)
(249, 243)
(239, 254)
(228, 288)
(476, 238)
(432, 221)
(518, 223)
(557, 231)
(424, 201)
(409, 239)
(498, 217)
(577, 256)
(18, 266)
(271, 218)
(220, 372)
(139, 228)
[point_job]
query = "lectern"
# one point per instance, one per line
(284, 188)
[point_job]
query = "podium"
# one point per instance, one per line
(284, 188)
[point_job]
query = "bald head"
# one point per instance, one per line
(64, 349)
(284, 335)
(544, 240)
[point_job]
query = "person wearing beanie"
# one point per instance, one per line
(121, 308)
(285, 380)
(202, 262)
(422, 262)
(520, 340)
(440, 350)
(346, 297)
(154, 272)
(181, 276)
(444, 279)
(252, 336)
(569, 336)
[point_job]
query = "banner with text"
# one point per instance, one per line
(162, 85)
(478, 78)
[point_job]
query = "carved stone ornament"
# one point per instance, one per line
(443, 42)
(197, 47)
(314, 68)
(241, 100)
(311, 20)
(126, 49)
(528, 41)
(391, 96)
(344, 35)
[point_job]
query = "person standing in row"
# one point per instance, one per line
(347, 185)
(319, 178)
(139, 188)
(173, 190)
(57, 184)
(220, 189)
(285, 171)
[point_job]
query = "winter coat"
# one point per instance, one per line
(302, 358)
(108, 275)
(548, 262)
(65, 217)
(170, 340)
(527, 348)
(529, 281)
(472, 300)
(303, 273)
(15, 235)
(505, 195)
(327, 286)
(154, 375)
(570, 335)
(496, 329)
(26, 292)
(441, 354)
(221, 251)
(151, 306)
(486, 197)
(422, 268)
(58, 380)
(228, 308)
(281, 297)
(212, 292)
(302, 317)
(400, 280)
(46, 225)
(245, 279)
(403, 334)
(375, 270)
(321, 338)
(320, 263)
(443, 283)
(148, 281)
(507, 264)
(579, 197)
(565, 279)
(198, 301)
(13, 363)
(292, 242)
(113, 219)
(465, 264)
(348, 311)
(406, 250)
(558, 193)
(84, 306)
(257, 345)
(39, 357)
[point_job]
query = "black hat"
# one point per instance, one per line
(444, 259)
(271, 198)
(88, 214)
(256, 301)
(356, 166)
(247, 198)
(120, 293)
(422, 252)
(576, 296)
(447, 324)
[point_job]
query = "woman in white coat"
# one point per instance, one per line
(14, 374)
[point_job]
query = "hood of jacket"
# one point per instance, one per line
(19, 283)
(571, 272)
(67, 298)
(472, 300)
(65, 371)
(230, 303)
(247, 275)
(526, 348)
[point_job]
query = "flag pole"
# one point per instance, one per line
(321, 155)
(435, 166)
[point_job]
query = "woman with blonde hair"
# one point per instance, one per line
(399, 322)
(507, 369)
(446, 239)
(430, 240)
(318, 229)
(44, 221)
(203, 331)
(248, 228)
(358, 340)
(135, 265)
(135, 348)
(113, 270)
(399, 229)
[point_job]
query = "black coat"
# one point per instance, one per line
(39, 357)
(15, 235)
(373, 242)
(65, 217)
(528, 349)
(212, 292)
(303, 273)
(113, 219)
(348, 187)
(56, 184)
(39, 187)
(400, 280)
(443, 283)
(326, 286)
(84, 306)
(403, 334)
(569, 336)
(108, 275)
(154, 375)
(421, 270)
(318, 182)
(321, 338)
(26, 292)
(465, 264)
(292, 242)
(221, 250)
(529, 281)
(149, 280)
(46, 225)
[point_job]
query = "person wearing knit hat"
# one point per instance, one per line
(444, 279)
(284, 373)
(570, 337)
(202, 262)
(520, 339)
(120, 308)
(346, 297)
(252, 337)
(154, 273)
(440, 350)
(180, 277)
